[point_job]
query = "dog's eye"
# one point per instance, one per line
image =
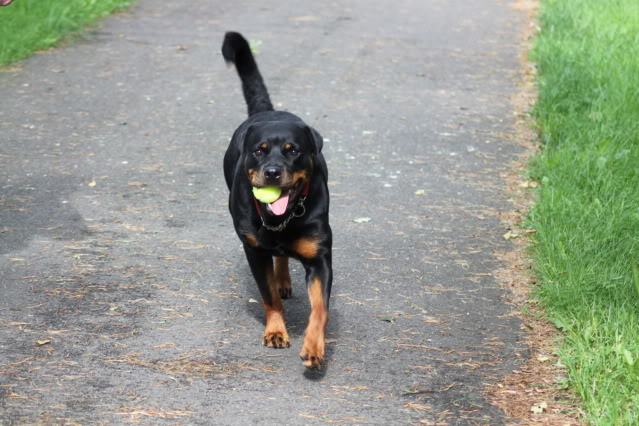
(293, 152)
(258, 152)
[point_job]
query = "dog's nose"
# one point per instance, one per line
(272, 173)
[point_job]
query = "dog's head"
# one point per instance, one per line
(281, 154)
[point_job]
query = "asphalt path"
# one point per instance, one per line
(124, 293)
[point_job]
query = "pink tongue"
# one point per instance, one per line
(278, 207)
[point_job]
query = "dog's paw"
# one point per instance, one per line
(312, 362)
(285, 292)
(312, 353)
(276, 339)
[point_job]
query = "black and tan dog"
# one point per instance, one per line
(276, 148)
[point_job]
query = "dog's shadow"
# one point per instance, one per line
(296, 311)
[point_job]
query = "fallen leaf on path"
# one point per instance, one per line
(43, 342)
(57, 331)
(304, 18)
(351, 387)
(362, 220)
(420, 192)
(165, 345)
(359, 420)
(195, 247)
(419, 407)
(13, 395)
(539, 408)
(415, 392)
(308, 416)
(92, 183)
(508, 235)
(152, 412)
(14, 323)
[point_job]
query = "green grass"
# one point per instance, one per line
(587, 214)
(30, 25)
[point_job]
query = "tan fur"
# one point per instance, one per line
(314, 337)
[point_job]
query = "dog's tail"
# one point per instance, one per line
(236, 50)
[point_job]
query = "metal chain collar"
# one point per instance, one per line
(294, 213)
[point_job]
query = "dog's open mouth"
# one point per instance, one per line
(286, 200)
(279, 206)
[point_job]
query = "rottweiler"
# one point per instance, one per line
(277, 149)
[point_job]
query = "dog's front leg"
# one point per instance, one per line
(319, 278)
(261, 263)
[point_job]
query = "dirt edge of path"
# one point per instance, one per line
(532, 394)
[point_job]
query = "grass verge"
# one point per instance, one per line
(587, 214)
(30, 25)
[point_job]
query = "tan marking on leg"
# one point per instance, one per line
(314, 341)
(251, 239)
(275, 334)
(306, 247)
(282, 277)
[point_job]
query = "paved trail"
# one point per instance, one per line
(124, 292)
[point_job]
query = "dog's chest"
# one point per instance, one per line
(274, 243)
(300, 247)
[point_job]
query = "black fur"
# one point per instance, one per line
(236, 50)
(276, 148)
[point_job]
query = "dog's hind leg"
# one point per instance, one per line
(261, 263)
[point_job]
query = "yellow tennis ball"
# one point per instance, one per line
(267, 194)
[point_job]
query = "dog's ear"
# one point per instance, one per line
(243, 136)
(316, 138)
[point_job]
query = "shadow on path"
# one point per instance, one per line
(34, 206)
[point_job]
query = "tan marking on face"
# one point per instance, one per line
(252, 175)
(288, 146)
(306, 247)
(264, 145)
(256, 178)
(302, 175)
